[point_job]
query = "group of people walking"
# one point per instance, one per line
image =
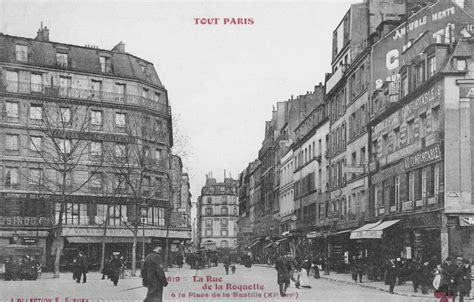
(22, 268)
(294, 270)
(451, 279)
(114, 267)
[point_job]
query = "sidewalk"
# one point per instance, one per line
(402, 290)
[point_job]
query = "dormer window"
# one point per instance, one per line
(461, 64)
(21, 53)
(105, 65)
(431, 66)
(62, 59)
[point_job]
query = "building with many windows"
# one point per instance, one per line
(86, 109)
(218, 213)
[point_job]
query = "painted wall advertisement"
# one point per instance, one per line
(403, 128)
(439, 21)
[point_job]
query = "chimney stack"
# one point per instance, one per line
(43, 34)
(120, 47)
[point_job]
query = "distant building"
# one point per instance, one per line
(218, 212)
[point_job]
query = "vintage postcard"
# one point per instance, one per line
(268, 150)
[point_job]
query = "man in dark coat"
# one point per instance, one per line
(463, 278)
(226, 264)
(154, 277)
(391, 274)
(283, 268)
(447, 280)
(82, 268)
(425, 277)
(115, 267)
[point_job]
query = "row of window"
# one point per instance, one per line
(224, 233)
(118, 215)
(307, 154)
(62, 58)
(65, 89)
(221, 199)
(337, 139)
(35, 177)
(357, 122)
(409, 132)
(313, 120)
(12, 144)
(36, 112)
(224, 211)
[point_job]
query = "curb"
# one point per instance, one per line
(382, 289)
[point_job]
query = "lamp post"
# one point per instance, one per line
(143, 214)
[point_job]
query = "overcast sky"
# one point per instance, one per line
(222, 80)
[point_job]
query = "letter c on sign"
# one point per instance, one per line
(391, 61)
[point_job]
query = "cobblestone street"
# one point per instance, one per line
(255, 284)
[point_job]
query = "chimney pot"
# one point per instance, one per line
(43, 34)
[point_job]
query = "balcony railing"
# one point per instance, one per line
(83, 94)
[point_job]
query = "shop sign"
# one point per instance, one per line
(400, 153)
(441, 18)
(25, 221)
(122, 232)
(387, 173)
(466, 220)
(431, 154)
(407, 205)
(30, 241)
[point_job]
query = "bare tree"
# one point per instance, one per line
(142, 173)
(61, 138)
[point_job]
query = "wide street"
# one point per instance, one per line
(257, 283)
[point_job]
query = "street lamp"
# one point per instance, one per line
(143, 214)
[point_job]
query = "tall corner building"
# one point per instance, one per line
(218, 213)
(109, 88)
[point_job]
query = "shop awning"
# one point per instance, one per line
(340, 232)
(360, 232)
(466, 220)
(268, 245)
(253, 243)
(280, 240)
(373, 232)
(107, 240)
(314, 234)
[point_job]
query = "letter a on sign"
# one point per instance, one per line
(470, 94)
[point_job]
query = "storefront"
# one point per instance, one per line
(461, 235)
(118, 239)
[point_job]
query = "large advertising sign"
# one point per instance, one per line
(440, 21)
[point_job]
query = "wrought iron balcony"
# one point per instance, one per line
(83, 94)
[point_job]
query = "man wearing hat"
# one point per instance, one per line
(115, 267)
(447, 280)
(154, 277)
(82, 268)
(463, 278)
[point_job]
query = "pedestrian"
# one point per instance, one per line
(425, 277)
(82, 267)
(391, 274)
(304, 273)
(283, 268)
(463, 278)
(447, 284)
(154, 278)
(414, 270)
(115, 268)
(317, 267)
(106, 268)
(226, 264)
(179, 260)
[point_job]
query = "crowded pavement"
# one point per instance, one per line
(187, 284)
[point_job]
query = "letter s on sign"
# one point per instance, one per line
(391, 59)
